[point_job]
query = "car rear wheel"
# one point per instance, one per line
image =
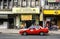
(24, 33)
(41, 33)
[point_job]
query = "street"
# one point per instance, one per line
(17, 36)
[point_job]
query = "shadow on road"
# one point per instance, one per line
(35, 35)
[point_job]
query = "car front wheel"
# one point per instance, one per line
(24, 33)
(41, 33)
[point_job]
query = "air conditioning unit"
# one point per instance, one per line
(51, 7)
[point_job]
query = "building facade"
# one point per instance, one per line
(5, 10)
(27, 13)
(51, 12)
(19, 12)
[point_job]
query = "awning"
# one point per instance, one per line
(3, 16)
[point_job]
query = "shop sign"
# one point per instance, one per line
(58, 12)
(54, 12)
(51, 0)
(25, 10)
(26, 17)
(49, 11)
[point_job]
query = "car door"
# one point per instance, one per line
(36, 31)
(30, 31)
(33, 31)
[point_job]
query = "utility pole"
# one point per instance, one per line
(42, 5)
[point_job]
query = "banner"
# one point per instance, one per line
(26, 17)
(25, 10)
(49, 12)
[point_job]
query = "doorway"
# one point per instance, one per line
(29, 23)
(11, 23)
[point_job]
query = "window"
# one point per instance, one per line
(0, 3)
(16, 3)
(5, 4)
(15, 0)
(24, 3)
(10, 4)
(32, 3)
(36, 2)
(19, 2)
(29, 2)
(46, 2)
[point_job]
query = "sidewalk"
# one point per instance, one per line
(9, 30)
(17, 31)
(54, 32)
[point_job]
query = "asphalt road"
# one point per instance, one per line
(17, 36)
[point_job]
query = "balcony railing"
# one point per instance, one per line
(51, 7)
(5, 9)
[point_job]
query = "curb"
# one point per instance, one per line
(8, 33)
(0, 32)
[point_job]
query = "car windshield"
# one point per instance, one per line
(34, 27)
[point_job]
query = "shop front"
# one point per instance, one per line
(52, 17)
(26, 16)
(29, 19)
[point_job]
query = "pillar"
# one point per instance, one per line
(17, 21)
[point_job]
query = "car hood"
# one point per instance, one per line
(23, 29)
